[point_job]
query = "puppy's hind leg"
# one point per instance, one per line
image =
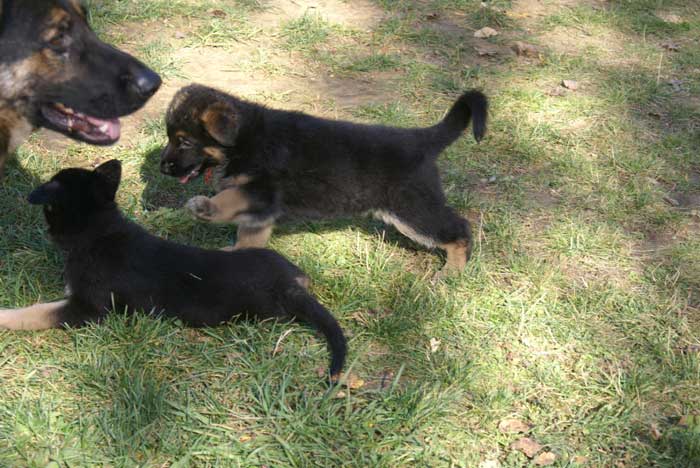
(435, 227)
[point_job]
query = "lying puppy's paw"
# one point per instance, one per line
(200, 206)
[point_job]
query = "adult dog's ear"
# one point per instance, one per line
(45, 194)
(111, 173)
(220, 120)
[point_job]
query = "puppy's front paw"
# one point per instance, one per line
(200, 206)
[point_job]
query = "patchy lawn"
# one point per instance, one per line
(576, 324)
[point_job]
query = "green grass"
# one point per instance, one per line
(579, 312)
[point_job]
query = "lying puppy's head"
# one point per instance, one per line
(57, 74)
(73, 197)
(202, 123)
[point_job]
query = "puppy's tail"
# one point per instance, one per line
(303, 306)
(471, 106)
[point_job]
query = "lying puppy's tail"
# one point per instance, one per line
(471, 106)
(303, 306)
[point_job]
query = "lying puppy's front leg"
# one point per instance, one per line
(222, 208)
(35, 317)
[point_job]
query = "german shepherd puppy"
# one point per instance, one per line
(56, 73)
(112, 263)
(268, 162)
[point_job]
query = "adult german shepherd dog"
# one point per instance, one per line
(271, 162)
(56, 73)
(113, 263)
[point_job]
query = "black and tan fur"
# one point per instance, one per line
(111, 262)
(269, 162)
(56, 73)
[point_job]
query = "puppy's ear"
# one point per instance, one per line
(220, 120)
(45, 194)
(111, 173)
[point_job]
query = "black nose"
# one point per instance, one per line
(144, 81)
(166, 167)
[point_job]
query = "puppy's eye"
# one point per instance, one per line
(185, 143)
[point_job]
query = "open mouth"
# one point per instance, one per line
(192, 174)
(81, 126)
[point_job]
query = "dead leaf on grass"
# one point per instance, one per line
(179, 35)
(432, 16)
(218, 13)
(526, 445)
(513, 426)
(483, 33)
(544, 459)
(580, 460)
(340, 394)
(434, 345)
(352, 381)
(655, 432)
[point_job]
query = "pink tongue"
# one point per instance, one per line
(113, 126)
(185, 179)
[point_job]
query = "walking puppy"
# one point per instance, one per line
(267, 162)
(114, 263)
(56, 73)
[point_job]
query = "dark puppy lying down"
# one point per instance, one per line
(114, 263)
(268, 162)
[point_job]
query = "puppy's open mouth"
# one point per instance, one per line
(192, 174)
(81, 126)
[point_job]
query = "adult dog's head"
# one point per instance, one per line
(56, 73)
(202, 125)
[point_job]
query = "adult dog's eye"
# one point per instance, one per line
(59, 42)
(185, 143)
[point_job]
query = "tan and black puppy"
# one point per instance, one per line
(56, 73)
(267, 162)
(111, 262)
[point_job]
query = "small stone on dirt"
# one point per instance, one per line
(524, 49)
(526, 445)
(483, 33)
(513, 426)
(179, 35)
(570, 84)
(544, 459)
(486, 50)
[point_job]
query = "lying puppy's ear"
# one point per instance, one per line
(45, 194)
(221, 122)
(111, 173)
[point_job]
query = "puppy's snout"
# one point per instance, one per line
(167, 167)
